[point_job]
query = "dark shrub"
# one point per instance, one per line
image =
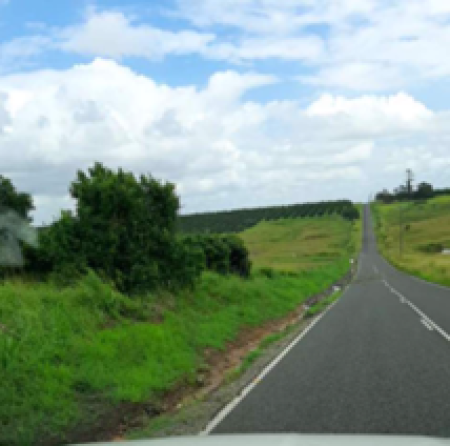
(221, 253)
(238, 258)
(432, 248)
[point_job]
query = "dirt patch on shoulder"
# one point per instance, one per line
(221, 363)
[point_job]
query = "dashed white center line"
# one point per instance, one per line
(443, 333)
(423, 317)
(375, 269)
(399, 295)
(424, 322)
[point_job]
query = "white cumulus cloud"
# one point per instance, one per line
(221, 149)
(112, 34)
(400, 107)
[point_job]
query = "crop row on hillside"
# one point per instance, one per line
(241, 219)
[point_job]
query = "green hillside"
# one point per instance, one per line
(425, 234)
(300, 244)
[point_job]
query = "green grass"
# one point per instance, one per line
(61, 349)
(428, 227)
(250, 358)
(40, 325)
(59, 346)
(301, 244)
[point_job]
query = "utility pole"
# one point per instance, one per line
(409, 189)
(409, 182)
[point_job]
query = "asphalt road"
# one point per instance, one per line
(377, 362)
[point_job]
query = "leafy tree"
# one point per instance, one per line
(127, 227)
(440, 192)
(188, 260)
(402, 192)
(63, 249)
(385, 196)
(11, 199)
(15, 230)
(424, 191)
(350, 213)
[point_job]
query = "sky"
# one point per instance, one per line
(240, 103)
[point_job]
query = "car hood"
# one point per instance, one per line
(287, 440)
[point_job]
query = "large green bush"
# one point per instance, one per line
(223, 254)
(124, 228)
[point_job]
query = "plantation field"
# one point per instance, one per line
(426, 231)
(300, 244)
(240, 219)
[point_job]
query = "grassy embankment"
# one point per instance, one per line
(301, 244)
(426, 232)
(65, 352)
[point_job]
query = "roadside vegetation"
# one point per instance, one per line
(413, 236)
(320, 306)
(114, 306)
(60, 348)
(253, 355)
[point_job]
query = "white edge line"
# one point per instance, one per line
(230, 406)
(423, 316)
(437, 285)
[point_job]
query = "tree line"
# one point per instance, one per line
(241, 219)
(404, 192)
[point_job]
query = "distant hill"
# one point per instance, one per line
(240, 219)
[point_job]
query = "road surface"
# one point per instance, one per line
(377, 362)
